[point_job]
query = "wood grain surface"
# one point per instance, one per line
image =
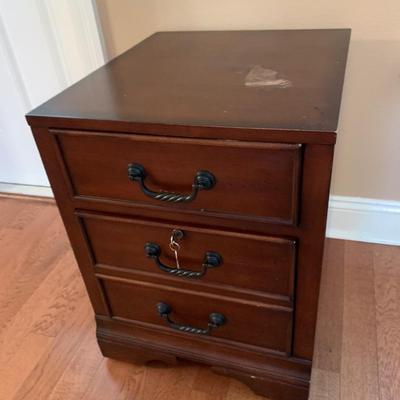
(48, 348)
(197, 79)
(268, 190)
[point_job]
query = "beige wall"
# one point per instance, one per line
(367, 160)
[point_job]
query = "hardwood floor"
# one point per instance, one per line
(46, 356)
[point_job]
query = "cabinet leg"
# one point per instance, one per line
(271, 384)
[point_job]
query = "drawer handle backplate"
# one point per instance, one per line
(203, 180)
(215, 320)
(211, 260)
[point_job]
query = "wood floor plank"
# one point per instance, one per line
(325, 385)
(19, 366)
(175, 383)
(12, 229)
(121, 381)
(325, 378)
(114, 378)
(55, 359)
(41, 304)
(30, 259)
(79, 373)
(206, 383)
(387, 293)
(387, 260)
(23, 216)
(359, 373)
(330, 313)
(239, 391)
(21, 342)
(8, 210)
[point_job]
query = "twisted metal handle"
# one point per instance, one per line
(215, 321)
(203, 180)
(211, 260)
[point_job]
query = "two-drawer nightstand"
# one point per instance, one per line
(192, 174)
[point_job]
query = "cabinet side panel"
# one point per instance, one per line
(48, 152)
(315, 195)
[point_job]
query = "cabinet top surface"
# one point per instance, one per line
(274, 80)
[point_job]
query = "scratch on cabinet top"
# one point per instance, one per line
(259, 76)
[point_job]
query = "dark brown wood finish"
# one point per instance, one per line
(268, 191)
(316, 182)
(199, 79)
(268, 327)
(178, 103)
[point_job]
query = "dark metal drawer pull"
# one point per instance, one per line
(211, 260)
(215, 320)
(203, 180)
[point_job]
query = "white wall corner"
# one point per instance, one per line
(364, 220)
(45, 45)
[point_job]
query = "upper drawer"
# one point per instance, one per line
(249, 180)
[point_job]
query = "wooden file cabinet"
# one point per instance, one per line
(225, 139)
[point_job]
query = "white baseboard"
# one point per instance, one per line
(27, 190)
(350, 218)
(364, 220)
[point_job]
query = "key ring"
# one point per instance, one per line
(175, 235)
(174, 246)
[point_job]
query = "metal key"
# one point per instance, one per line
(174, 245)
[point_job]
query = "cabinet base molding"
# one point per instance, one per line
(271, 380)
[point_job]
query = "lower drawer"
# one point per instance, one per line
(251, 323)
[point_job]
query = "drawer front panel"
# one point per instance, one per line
(254, 181)
(250, 262)
(251, 324)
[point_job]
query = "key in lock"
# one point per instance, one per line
(174, 246)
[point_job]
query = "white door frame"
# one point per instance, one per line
(45, 46)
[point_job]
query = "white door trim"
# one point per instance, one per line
(45, 46)
(7, 53)
(76, 45)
